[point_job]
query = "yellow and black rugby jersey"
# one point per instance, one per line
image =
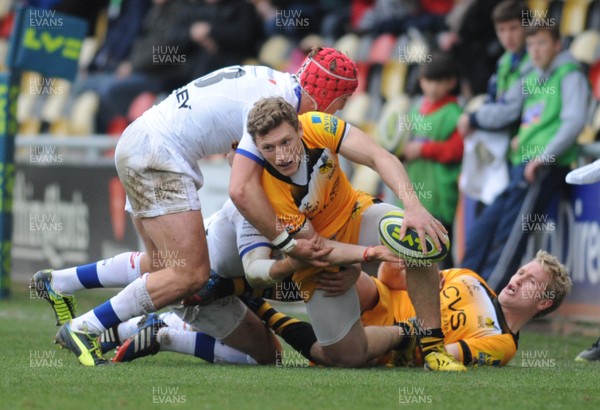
(327, 199)
(471, 316)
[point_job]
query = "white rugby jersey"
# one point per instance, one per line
(209, 114)
(230, 237)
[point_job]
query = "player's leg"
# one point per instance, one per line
(162, 195)
(423, 287)
(200, 345)
(231, 322)
(168, 333)
(185, 270)
(488, 235)
(342, 340)
(58, 286)
(298, 334)
(80, 334)
(181, 337)
(218, 287)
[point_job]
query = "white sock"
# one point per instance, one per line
(200, 345)
(134, 300)
(174, 340)
(174, 321)
(118, 271)
(227, 354)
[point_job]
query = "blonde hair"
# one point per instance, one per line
(559, 284)
(268, 114)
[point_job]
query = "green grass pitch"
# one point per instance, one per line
(36, 374)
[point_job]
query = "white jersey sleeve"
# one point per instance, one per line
(248, 237)
(230, 237)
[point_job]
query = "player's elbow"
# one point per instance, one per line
(239, 193)
(236, 193)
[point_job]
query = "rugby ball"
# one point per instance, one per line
(409, 248)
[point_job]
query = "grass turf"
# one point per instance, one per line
(36, 374)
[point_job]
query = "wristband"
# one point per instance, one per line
(289, 245)
(365, 257)
(281, 240)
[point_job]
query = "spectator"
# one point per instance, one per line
(163, 36)
(124, 24)
(554, 101)
(488, 130)
(88, 10)
(336, 19)
(228, 32)
(472, 41)
(397, 16)
(180, 41)
(434, 151)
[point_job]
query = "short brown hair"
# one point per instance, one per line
(509, 10)
(559, 284)
(537, 26)
(268, 114)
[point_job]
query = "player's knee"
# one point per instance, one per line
(195, 277)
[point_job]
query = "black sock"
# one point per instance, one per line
(300, 335)
(430, 340)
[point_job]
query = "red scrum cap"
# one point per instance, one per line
(326, 75)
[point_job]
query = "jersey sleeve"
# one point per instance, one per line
(324, 130)
(246, 146)
(494, 350)
(247, 236)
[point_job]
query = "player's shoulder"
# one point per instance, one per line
(463, 275)
(454, 273)
(275, 81)
(320, 122)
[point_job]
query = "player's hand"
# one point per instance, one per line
(338, 283)
(311, 251)
(381, 254)
(421, 221)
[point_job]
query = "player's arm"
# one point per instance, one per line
(347, 254)
(360, 148)
(262, 271)
(247, 194)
